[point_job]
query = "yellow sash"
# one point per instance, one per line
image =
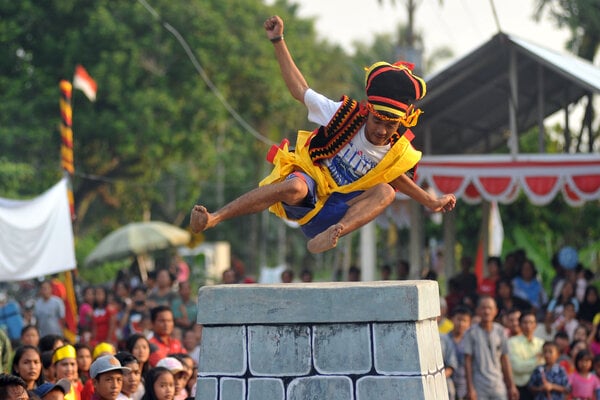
(401, 158)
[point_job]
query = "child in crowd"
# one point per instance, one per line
(159, 384)
(180, 374)
(569, 364)
(549, 381)
(132, 380)
(581, 333)
(584, 383)
(567, 321)
(30, 335)
(461, 319)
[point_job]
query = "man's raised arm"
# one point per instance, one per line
(291, 74)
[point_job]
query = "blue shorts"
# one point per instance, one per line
(332, 212)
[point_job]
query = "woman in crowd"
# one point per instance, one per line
(557, 304)
(139, 346)
(64, 361)
(163, 293)
(527, 286)
(589, 307)
(104, 319)
(27, 364)
(84, 361)
(506, 300)
(86, 309)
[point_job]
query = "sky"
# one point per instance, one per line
(462, 25)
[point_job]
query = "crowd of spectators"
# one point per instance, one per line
(508, 336)
(134, 341)
(504, 335)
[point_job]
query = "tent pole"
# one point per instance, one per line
(541, 110)
(513, 103)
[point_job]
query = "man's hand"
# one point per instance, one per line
(274, 27)
(513, 393)
(444, 204)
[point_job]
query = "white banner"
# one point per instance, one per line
(36, 236)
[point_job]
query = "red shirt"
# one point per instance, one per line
(101, 321)
(88, 390)
(163, 349)
(488, 286)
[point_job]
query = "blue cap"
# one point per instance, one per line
(63, 385)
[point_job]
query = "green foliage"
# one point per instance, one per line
(159, 137)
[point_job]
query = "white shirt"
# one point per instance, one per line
(357, 157)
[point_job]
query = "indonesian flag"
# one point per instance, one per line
(84, 82)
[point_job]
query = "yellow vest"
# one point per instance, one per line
(401, 158)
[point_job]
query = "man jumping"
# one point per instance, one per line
(345, 173)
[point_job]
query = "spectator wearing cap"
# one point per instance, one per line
(132, 389)
(180, 374)
(107, 374)
(162, 330)
(12, 388)
(101, 349)
(64, 363)
(53, 391)
(192, 374)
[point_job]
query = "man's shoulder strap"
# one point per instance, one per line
(344, 124)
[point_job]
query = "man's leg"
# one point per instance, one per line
(290, 191)
(363, 209)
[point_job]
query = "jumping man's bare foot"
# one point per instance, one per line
(325, 240)
(199, 219)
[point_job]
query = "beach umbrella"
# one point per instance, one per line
(136, 239)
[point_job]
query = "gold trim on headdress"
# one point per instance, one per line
(408, 119)
(66, 351)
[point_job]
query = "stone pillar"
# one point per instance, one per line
(346, 341)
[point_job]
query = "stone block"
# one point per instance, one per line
(396, 349)
(265, 388)
(321, 387)
(279, 350)
(232, 389)
(392, 388)
(287, 303)
(223, 351)
(342, 349)
(207, 389)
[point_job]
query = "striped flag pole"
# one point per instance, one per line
(66, 162)
(66, 137)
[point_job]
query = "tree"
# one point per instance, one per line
(158, 136)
